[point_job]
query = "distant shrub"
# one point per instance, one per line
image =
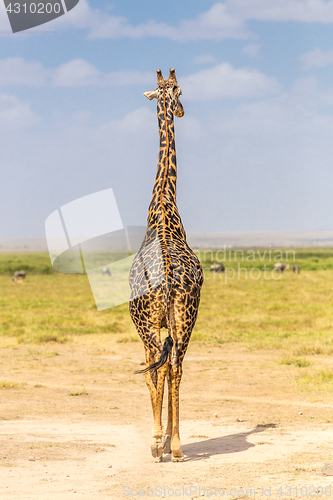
(300, 362)
(30, 262)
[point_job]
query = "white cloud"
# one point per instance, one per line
(15, 114)
(79, 72)
(317, 58)
(271, 158)
(303, 113)
(251, 50)
(224, 81)
(130, 77)
(221, 81)
(309, 85)
(76, 73)
(221, 21)
(308, 11)
(80, 17)
(215, 24)
(133, 123)
(17, 71)
(205, 59)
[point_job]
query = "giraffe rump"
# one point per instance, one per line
(167, 346)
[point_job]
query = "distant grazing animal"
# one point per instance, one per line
(281, 266)
(18, 275)
(296, 268)
(217, 268)
(106, 271)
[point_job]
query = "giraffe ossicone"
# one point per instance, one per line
(165, 279)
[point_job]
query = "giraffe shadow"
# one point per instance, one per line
(224, 445)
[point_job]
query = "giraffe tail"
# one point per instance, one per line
(167, 346)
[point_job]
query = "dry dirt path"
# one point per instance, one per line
(75, 422)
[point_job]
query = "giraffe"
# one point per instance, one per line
(165, 280)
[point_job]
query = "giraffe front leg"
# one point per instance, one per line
(152, 383)
(176, 446)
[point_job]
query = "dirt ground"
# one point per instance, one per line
(76, 422)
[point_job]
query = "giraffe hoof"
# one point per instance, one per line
(157, 450)
(179, 458)
(167, 445)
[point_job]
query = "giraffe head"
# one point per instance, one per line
(172, 90)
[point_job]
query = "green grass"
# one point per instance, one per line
(81, 392)
(320, 380)
(300, 362)
(292, 312)
(53, 308)
(308, 259)
(5, 384)
(31, 262)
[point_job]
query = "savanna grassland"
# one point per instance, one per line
(250, 303)
(256, 394)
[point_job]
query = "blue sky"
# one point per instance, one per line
(255, 149)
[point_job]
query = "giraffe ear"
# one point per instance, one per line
(151, 95)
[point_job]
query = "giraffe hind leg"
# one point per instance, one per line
(158, 370)
(168, 432)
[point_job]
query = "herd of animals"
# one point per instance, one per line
(216, 268)
(279, 266)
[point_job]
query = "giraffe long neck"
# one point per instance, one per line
(163, 207)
